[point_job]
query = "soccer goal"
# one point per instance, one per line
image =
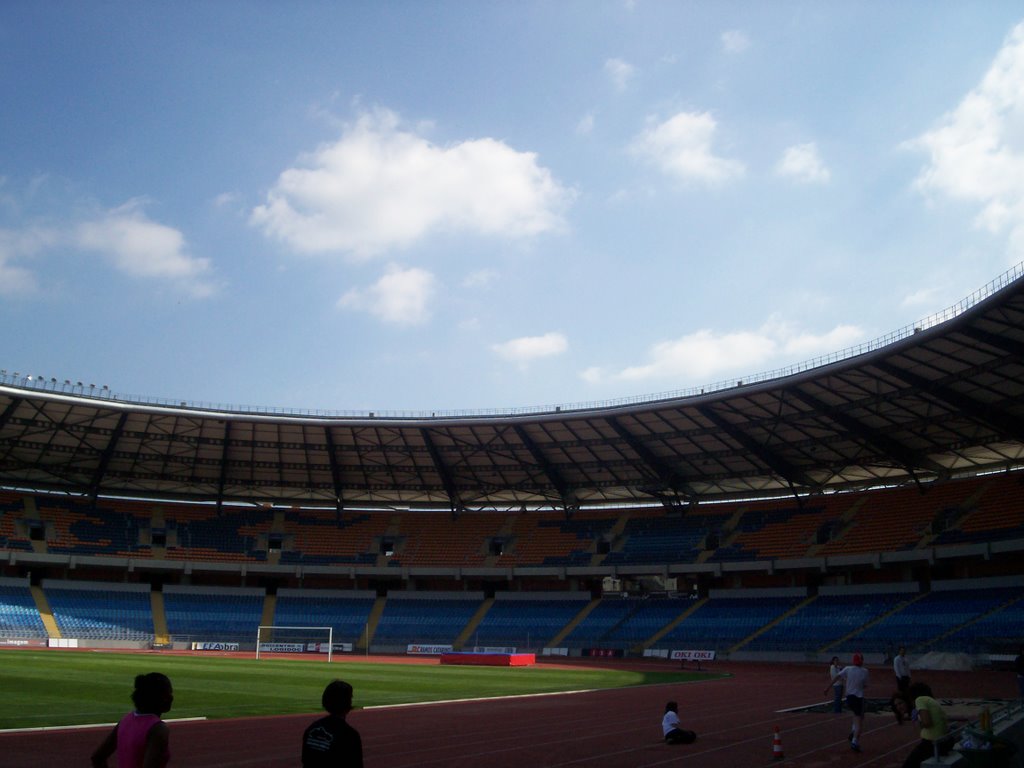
(275, 640)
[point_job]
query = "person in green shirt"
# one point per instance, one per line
(918, 705)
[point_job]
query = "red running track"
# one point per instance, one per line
(734, 717)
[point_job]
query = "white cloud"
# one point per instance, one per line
(681, 146)
(735, 41)
(481, 278)
(400, 297)
(586, 124)
(704, 355)
(802, 162)
(801, 346)
(619, 72)
(17, 280)
(925, 297)
(141, 247)
(130, 241)
(225, 199)
(380, 187)
(526, 349)
(701, 355)
(976, 152)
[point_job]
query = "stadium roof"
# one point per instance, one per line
(941, 399)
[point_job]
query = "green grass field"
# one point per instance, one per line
(45, 688)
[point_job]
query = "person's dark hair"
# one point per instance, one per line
(908, 697)
(337, 698)
(901, 696)
(153, 693)
(672, 707)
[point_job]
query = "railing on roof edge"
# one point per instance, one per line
(66, 386)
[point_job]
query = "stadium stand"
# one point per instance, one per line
(425, 617)
(730, 616)
(553, 539)
(999, 630)
(901, 519)
(346, 612)
(11, 511)
(527, 620)
(836, 613)
(76, 528)
(650, 621)
(326, 538)
(994, 511)
(19, 615)
(320, 547)
(927, 617)
(654, 537)
(870, 618)
(111, 611)
(213, 614)
(226, 535)
(594, 629)
(974, 510)
(780, 529)
(440, 539)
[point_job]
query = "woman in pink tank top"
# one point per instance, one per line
(141, 738)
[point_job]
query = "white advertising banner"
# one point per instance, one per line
(693, 655)
(198, 646)
(427, 650)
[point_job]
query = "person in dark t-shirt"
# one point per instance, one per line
(331, 742)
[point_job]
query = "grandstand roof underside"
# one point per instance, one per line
(947, 400)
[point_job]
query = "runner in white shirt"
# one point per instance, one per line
(856, 678)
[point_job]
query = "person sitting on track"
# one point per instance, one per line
(670, 726)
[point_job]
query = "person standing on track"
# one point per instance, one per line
(141, 738)
(856, 678)
(837, 686)
(901, 668)
(331, 742)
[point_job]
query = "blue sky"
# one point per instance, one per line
(468, 205)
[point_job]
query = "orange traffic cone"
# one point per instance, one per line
(777, 746)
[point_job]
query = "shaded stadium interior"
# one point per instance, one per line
(866, 500)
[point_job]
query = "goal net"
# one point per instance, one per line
(273, 640)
